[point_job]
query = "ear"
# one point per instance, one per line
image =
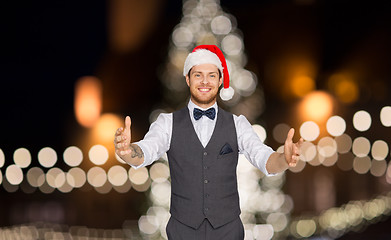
(220, 81)
(188, 80)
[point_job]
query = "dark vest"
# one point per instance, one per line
(203, 182)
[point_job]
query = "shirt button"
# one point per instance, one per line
(206, 181)
(205, 153)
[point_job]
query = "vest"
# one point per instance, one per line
(203, 181)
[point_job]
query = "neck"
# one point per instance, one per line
(203, 105)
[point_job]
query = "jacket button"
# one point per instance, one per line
(207, 195)
(205, 167)
(206, 181)
(205, 153)
(206, 209)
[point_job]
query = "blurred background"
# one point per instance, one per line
(72, 70)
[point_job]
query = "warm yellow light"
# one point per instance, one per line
(88, 100)
(302, 85)
(317, 106)
(106, 126)
(344, 87)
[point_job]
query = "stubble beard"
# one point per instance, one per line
(208, 101)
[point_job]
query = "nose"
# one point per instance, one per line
(204, 80)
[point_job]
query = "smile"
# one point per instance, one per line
(204, 89)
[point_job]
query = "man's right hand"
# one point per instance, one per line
(122, 139)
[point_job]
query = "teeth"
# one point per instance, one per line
(204, 89)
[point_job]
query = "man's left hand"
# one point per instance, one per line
(291, 149)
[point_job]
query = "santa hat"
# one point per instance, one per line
(203, 54)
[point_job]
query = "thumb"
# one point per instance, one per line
(290, 135)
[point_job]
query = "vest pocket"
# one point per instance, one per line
(227, 155)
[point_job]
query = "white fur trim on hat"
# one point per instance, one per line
(201, 56)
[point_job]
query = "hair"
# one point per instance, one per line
(188, 74)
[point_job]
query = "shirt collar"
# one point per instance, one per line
(192, 105)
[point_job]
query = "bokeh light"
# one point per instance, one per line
(306, 228)
(263, 232)
(160, 193)
(76, 177)
(344, 87)
(47, 157)
(327, 147)
(308, 151)
(244, 82)
(336, 126)
(388, 174)
(344, 143)
(182, 37)
(98, 154)
(221, 25)
(22, 157)
(35, 177)
(385, 116)
(2, 158)
(88, 100)
(124, 188)
(330, 161)
(361, 165)
(46, 188)
(138, 176)
(232, 44)
(55, 177)
(14, 174)
(148, 224)
(379, 150)
(159, 172)
(302, 85)
(309, 131)
(260, 131)
(117, 175)
(361, 147)
(345, 161)
(378, 168)
(96, 176)
(279, 221)
(362, 121)
(317, 106)
(73, 156)
(106, 126)
(105, 188)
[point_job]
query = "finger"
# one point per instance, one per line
(290, 135)
(118, 132)
(128, 122)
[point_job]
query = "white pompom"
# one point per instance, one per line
(227, 93)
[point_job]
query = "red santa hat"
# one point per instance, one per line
(203, 54)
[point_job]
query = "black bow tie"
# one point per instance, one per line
(210, 113)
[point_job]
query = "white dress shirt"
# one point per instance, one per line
(157, 141)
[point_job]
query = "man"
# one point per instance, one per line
(202, 142)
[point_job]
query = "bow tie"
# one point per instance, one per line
(210, 113)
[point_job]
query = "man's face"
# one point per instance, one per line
(204, 81)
